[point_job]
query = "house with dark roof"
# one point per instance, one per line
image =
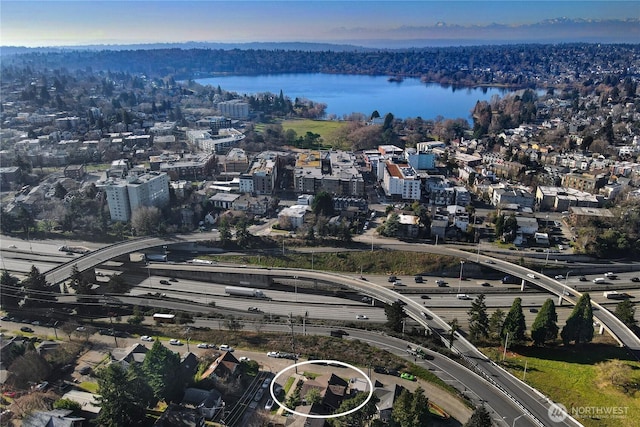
(53, 418)
(335, 393)
(178, 416)
(224, 367)
(386, 397)
(206, 402)
(126, 356)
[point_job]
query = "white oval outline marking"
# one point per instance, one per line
(309, 362)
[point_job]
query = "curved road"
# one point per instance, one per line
(531, 402)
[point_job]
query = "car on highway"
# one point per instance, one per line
(173, 279)
(146, 338)
(164, 282)
(418, 279)
(582, 279)
(361, 317)
(532, 276)
(26, 329)
(12, 246)
(441, 283)
(268, 405)
(273, 354)
(392, 279)
(254, 309)
(558, 277)
(485, 284)
(407, 376)
(425, 297)
(635, 279)
(533, 310)
(174, 341)
(489, 261)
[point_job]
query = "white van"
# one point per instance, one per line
(599, 280)
(463, 296)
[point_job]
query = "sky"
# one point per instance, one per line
(81, 22)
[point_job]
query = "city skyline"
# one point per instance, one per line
(373, 23)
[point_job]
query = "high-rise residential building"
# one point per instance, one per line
(126, 195)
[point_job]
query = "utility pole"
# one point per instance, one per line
(293, 342)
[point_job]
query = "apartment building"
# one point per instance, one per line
(236, 109)
(332, 171)
(583, 182)
(401, 181)
(126, 195)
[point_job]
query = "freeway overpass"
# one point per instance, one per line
(530, 401)
(610, 322)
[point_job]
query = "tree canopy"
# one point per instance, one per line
(514, 323)
(395, 315)
(478, 318)
(544, 327)
(579, 326)
(123, 397)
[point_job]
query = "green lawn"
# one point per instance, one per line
(325, 128)
(568, 376)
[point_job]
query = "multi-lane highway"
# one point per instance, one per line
(529, 401)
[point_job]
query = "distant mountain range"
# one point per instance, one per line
(559, 30)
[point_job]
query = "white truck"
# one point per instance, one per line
(237, 291)
(599, 280)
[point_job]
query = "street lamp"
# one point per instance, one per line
(460, 278)
(566, 278)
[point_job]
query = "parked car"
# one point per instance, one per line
(146, 338)
(225, 347)
(85, 370)
(26, 329)
(273, 354)
(408, 376)
(380, 369)
(258, 395)
(266, 382)
(212, 346)
(268, 405)
(164, 282)
(243, 359)
(174, 341)
(42, 386)
(635, 279)
(81, 329)
(558, 277)
(202, 345)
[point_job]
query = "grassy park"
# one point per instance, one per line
(570, 376)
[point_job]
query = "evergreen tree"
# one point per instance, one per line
(579, 326)
(544, 327)
(480, 418)
(123, 396)
(514, 323)
(625, 311)
(161, 368)
(495, 323)
(410, 409)
(10, 294)
(358, 418)
(478, 318)
(37, 290)
(395, 315)
(322, 204)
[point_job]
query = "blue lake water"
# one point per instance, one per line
(346, 94)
